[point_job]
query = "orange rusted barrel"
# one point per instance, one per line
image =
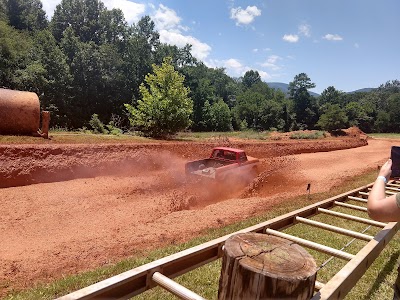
(19, 112)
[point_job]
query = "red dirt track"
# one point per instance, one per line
(70, 208)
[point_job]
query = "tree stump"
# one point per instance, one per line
(260, 266)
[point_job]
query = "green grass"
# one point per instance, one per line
(308, 136)
(59, 137)
(375, 284)
(385, 135)
(245, 135)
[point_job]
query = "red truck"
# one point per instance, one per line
(224, 163)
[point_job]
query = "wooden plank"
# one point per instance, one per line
(347, 277)
(340, 230)
(351, 206)
(386, 191)
(311, 245)
(353, 218)
(393, 184)
(175, 288)
(392, 188)
(358, 199)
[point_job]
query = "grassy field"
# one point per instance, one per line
(385, 135)
(375, 284)
(77, 137)
(64, 137)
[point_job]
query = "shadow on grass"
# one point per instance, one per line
(388, 268)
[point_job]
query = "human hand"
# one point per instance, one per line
(386, 169)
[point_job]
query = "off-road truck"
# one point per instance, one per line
(224, 163)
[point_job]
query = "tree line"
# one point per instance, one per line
(88, 61)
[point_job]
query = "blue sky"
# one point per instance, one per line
(349, 44)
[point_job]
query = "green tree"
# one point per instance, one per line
(26, 14)
(332, 96)
(139, 54)
(222, 115)
(217, 117)
(15, 49)
(201, 91)
(181, 57)
(333, 118)
(165, 107)
(250, 78)
(98, 83)
(382, 123)
(304, 104)
(271, 116)
(394, 112)
(3, 12)
(70, 44)
(358, 115)
(207, 122)
(248, 108)
(113, 28)
(82, 15)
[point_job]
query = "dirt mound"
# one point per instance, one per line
(353, 132)
(24, 165)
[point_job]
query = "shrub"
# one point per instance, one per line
(97, 125)
(308, 136)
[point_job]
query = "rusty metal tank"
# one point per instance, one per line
(19, 112)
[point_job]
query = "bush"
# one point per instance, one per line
(308, 136)
(165, 107)
(97, 125)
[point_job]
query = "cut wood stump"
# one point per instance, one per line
(260, 266)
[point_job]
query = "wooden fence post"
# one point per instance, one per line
(260, 266)
(45, 124)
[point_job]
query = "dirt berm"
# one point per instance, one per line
(27, 164)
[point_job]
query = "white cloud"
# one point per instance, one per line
(255, 50)
(49, 6)
(332, 37)
(356, 45)
(168, 24)
(305, 29)
(232, 66)
(264, 75)
(166, 18)
(235, 68)
(132, 11)
(291, 38)
(245, 16)
(271, 62)
(199, 50)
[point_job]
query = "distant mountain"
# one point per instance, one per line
(284, 87)
(364, 90)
